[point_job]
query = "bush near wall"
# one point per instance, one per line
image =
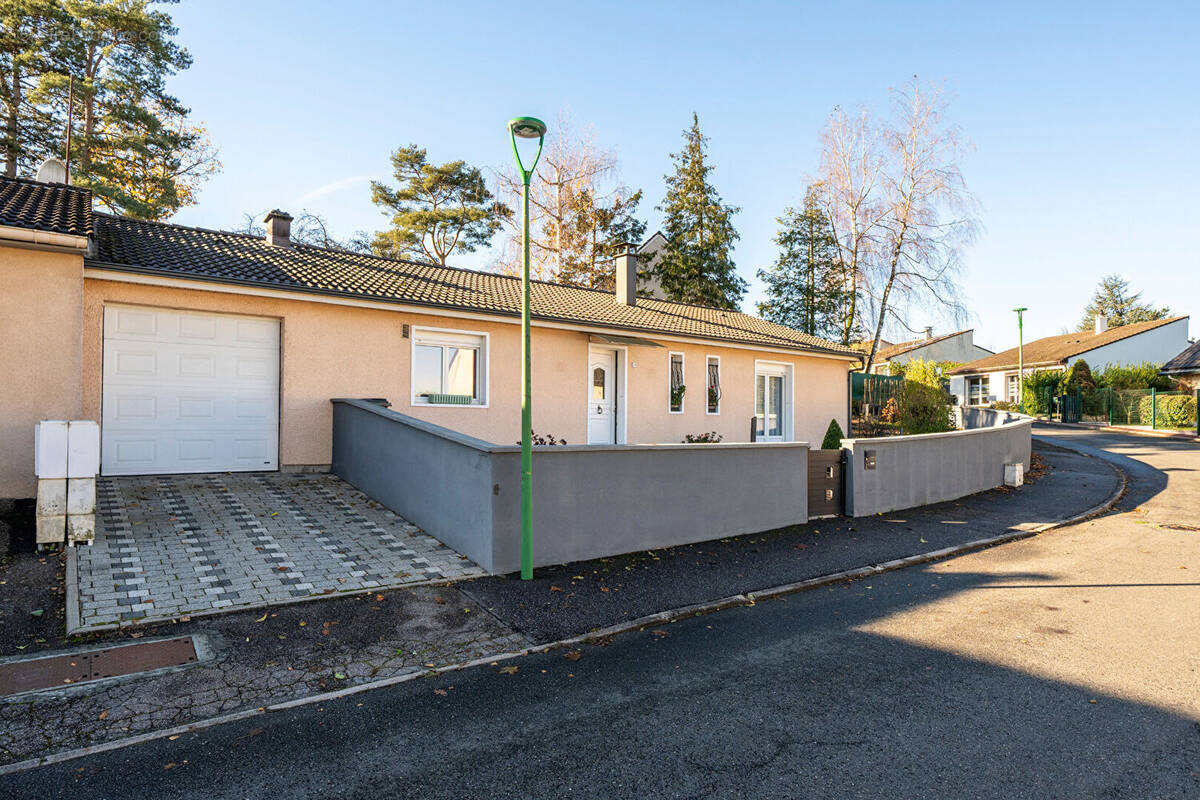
(1134, 376)
(1037, 388)
(1174, 410)
(923, 408)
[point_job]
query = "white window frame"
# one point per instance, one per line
(1010, 395)
(708, 360)
(983, 393)
(450, 337)
(683, 376)
(787, 370)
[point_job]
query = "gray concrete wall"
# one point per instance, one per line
(914, 471)
(589, 501)
(436, 478)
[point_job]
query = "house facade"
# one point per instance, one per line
(957, 348)
(1185, 367)
(205, 351)
(996, 377)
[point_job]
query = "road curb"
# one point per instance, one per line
(661, 617)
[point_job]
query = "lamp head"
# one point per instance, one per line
(527, 127)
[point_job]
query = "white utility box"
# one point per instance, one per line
(66, 460)
(50, 449)
(1014, 474)
(83, 448)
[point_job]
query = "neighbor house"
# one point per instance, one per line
(200, 350)
(995, 378)
(955, 348)
(1185, 367)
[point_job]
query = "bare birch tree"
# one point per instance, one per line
(574, 178)
(928, 213)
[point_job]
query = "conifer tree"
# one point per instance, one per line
(695, 265)
(805, 285)
(1119, 305)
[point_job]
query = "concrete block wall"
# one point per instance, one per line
(66, 462)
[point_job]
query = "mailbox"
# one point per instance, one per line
(868, 459)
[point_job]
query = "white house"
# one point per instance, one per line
(995, 378)
(958, 347)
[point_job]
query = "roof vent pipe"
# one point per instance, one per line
(279, 228)
(626, 275)
(1101, 323)
(928, 331)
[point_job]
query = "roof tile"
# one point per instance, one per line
(39, 206)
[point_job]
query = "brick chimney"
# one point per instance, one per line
(1101, 323)
(279, 228)
(626, 274)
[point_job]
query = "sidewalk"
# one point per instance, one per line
(297, 651)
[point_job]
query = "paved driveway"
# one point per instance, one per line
(168, 546)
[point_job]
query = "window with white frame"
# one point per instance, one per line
(977, 391)
(713, 385)
(676, 386)
(449, 368)
(1014, 388)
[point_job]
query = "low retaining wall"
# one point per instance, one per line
(918, 470)
(588, 501)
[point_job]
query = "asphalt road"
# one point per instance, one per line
(1064, 666)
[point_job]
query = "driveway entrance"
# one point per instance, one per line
(170, 546)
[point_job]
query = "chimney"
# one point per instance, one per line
(279, 228)
(928, 331)
(627, 277)
(1101, 323)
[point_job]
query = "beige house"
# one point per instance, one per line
(206, 351)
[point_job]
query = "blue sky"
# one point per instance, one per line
(1085, 118)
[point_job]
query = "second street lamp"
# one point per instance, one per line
(1021, 356)
(526, 128)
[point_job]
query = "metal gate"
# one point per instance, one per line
(826, 486)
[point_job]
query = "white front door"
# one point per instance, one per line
(769, 403)
(602, 385)
(187, 391)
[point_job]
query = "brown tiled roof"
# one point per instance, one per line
(904, 347)
(1057, 349)
(1187, 361)
(195, 253)
(52, 207)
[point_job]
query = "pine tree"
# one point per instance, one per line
(805, 287)
(695, 264)
(26, 37)
(437, 210)
(1114, 300)
(599, 229)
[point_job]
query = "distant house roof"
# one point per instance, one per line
(900, 349)
(53, 207)
(195, 253)
(1186, 362)
(1055, 350)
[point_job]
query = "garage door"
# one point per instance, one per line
(188, 392)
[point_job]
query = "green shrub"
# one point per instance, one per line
(1001, 405)
(923, 408)
(1134, 376)
(1037, 389)
(833, 436)
(1078, 376)
(1174, 410)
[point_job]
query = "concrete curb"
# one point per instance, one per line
(662, 617)
(72, 601)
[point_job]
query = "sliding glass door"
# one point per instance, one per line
(769, 406)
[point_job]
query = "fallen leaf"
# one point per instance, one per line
(263, 618)
(341, 676)
(103, 715)
(378, 598)
(573, 655)
(302, 623)
(441, 692)
(556, 588)
(510, 670)
(37, 612)
(659, 632)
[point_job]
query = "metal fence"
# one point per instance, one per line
(874, 404)
(1143, 408)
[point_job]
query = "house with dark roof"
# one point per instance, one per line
(1185, 367)
(997, 378)
(202, 351)
(957, 347)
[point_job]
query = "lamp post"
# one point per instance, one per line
(1021, 356)
(526, 128)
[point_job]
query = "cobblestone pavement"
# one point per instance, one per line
(260, 658)
(174, 545)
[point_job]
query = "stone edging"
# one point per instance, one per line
(672, 615)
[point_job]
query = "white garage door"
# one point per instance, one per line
(188, 392)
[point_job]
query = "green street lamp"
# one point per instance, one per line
(526, 128)
(1021, 356)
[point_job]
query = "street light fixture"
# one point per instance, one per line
(526, 128)
(1021, 356)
